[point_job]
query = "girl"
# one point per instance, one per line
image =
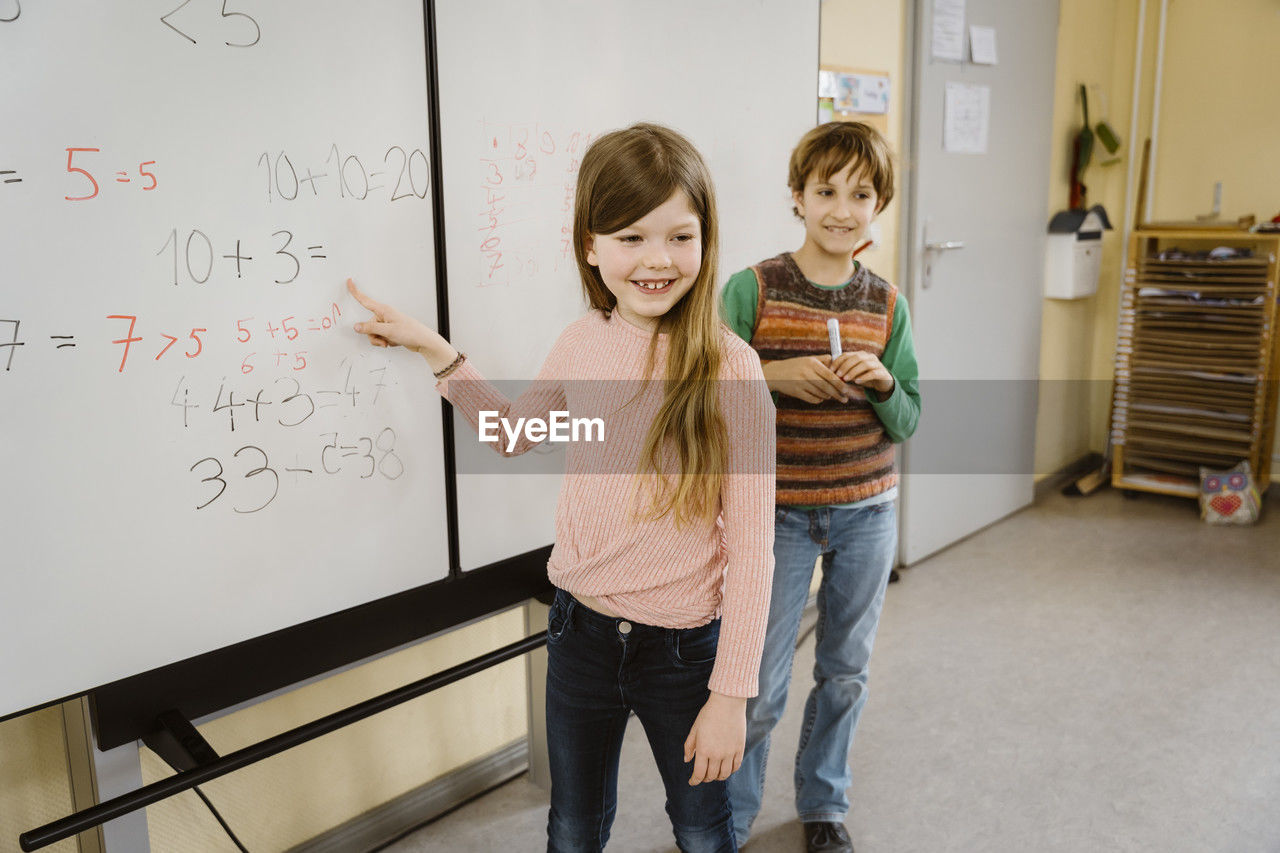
(662, 574)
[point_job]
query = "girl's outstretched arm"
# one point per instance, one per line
(463, 386)
(391, 327)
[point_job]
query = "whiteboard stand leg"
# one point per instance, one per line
(535, 619)
(119, 772)
(78, 731)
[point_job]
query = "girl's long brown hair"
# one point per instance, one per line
(624, 175)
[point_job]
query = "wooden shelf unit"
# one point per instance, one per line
(1196, 360)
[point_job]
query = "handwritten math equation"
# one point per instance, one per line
(283, 337)
(240, 26)
(403, 175)
(526, 170)
(194, 255)
(284, 402)
(250, 472)
(400, 174)
(89, 186)
(250, 480)
(290, 330)
(287, 403)
(204, 19)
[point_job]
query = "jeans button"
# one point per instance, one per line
(624, 627)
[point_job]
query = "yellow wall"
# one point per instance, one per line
(35, 786)
(870, 35)
(1220, 111)
(1074, 394)
(294, 796)
(1220, 114)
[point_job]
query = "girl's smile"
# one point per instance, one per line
(654, 285)
(652, 263)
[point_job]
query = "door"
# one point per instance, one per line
(976, 236)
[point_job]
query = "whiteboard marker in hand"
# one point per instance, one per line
(833, 336)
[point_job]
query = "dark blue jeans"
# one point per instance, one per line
(599, 670)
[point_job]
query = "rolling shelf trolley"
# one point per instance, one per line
(1196, 357)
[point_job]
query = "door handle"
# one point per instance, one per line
(932, 251)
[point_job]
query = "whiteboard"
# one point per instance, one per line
(524, 85)
(246, 462)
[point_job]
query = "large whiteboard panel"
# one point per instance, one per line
(246, 462)
(523, 87)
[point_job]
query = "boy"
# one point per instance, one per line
(838, 419)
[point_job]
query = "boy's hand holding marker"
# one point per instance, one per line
(863, 368)
(807, 378)
(822, 377)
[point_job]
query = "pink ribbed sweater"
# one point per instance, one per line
(651, 572)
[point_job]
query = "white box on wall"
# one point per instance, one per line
(1073, 259)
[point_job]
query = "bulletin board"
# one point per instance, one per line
(860, 94)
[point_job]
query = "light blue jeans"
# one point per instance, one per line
(858, 547)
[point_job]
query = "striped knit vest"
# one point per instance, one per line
(830, 452)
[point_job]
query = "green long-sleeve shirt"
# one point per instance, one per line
(900, 411)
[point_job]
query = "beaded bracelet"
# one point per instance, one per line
(453, 365)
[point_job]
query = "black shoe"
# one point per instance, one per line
(827, 837)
